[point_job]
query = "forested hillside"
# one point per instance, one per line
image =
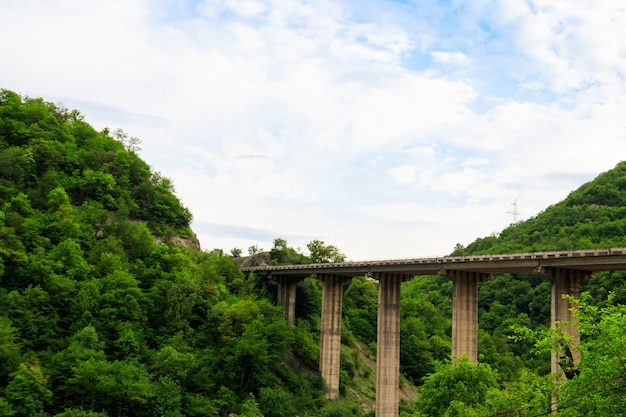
(593, 216)
(104, 313)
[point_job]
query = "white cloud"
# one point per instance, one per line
(569, 45)
(453, 58)
(404, 174)
(360, 124)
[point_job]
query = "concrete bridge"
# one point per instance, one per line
(565, 269)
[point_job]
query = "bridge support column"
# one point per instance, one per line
(330, 349)
(388, 344)
(465, 314)
(565, 282)
(286, 297)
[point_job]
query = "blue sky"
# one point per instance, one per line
(387, 128)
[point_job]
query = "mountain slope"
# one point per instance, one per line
(102, 311)
(592, 216)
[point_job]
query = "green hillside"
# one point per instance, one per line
(102, 313)
(593, 216)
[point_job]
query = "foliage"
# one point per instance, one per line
(596, 387)
(27, 391)
(322, 253)
(281, 253)
(361, 309)
(528, 396)
(593, 216)
(100, 312)
(426, 311)
(461, 382)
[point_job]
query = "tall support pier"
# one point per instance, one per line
(330, 344)
(465, 313)
(388, 343)
(565, 282)
(287, 297)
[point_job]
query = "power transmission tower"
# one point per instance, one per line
(514, 213)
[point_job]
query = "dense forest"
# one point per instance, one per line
(108, 306)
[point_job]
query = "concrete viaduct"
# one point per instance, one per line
(565, 269)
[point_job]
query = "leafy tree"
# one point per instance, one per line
(276, 402)
(527, 396)
(249, 408)
(322, 253)
(5, 408)
(598, 387)
(281, 253)
(9, 350)
(254, 249)
(120, 386)
(462, 382)
(58, 198)
(426, 311)
(33, 313)
(252, 339)
(167, 398)
(130, 143)
(361, 308)
(84, 345)
(27, 391)
(172, 364)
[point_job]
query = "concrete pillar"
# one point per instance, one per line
(388, 344)
(564, 282)
(465, 314)
(286, 297)
(330, 349)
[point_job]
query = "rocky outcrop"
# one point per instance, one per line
(258, 259)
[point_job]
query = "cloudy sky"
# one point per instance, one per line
(386, 128)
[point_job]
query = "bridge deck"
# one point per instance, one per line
(590, 260)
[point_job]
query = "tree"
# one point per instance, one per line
(172, 364)
(131, 143)
(361, 308)
(279, 252)
(322, 253)
(28, 391)
(9, 350)
(599, 387)
(254, 249)
(251, 338)
(84, 345)
(595, 385)
(463, 382)
(249, 408)
(122, 387)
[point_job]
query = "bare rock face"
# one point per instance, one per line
(186, 242)
(258, 259)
